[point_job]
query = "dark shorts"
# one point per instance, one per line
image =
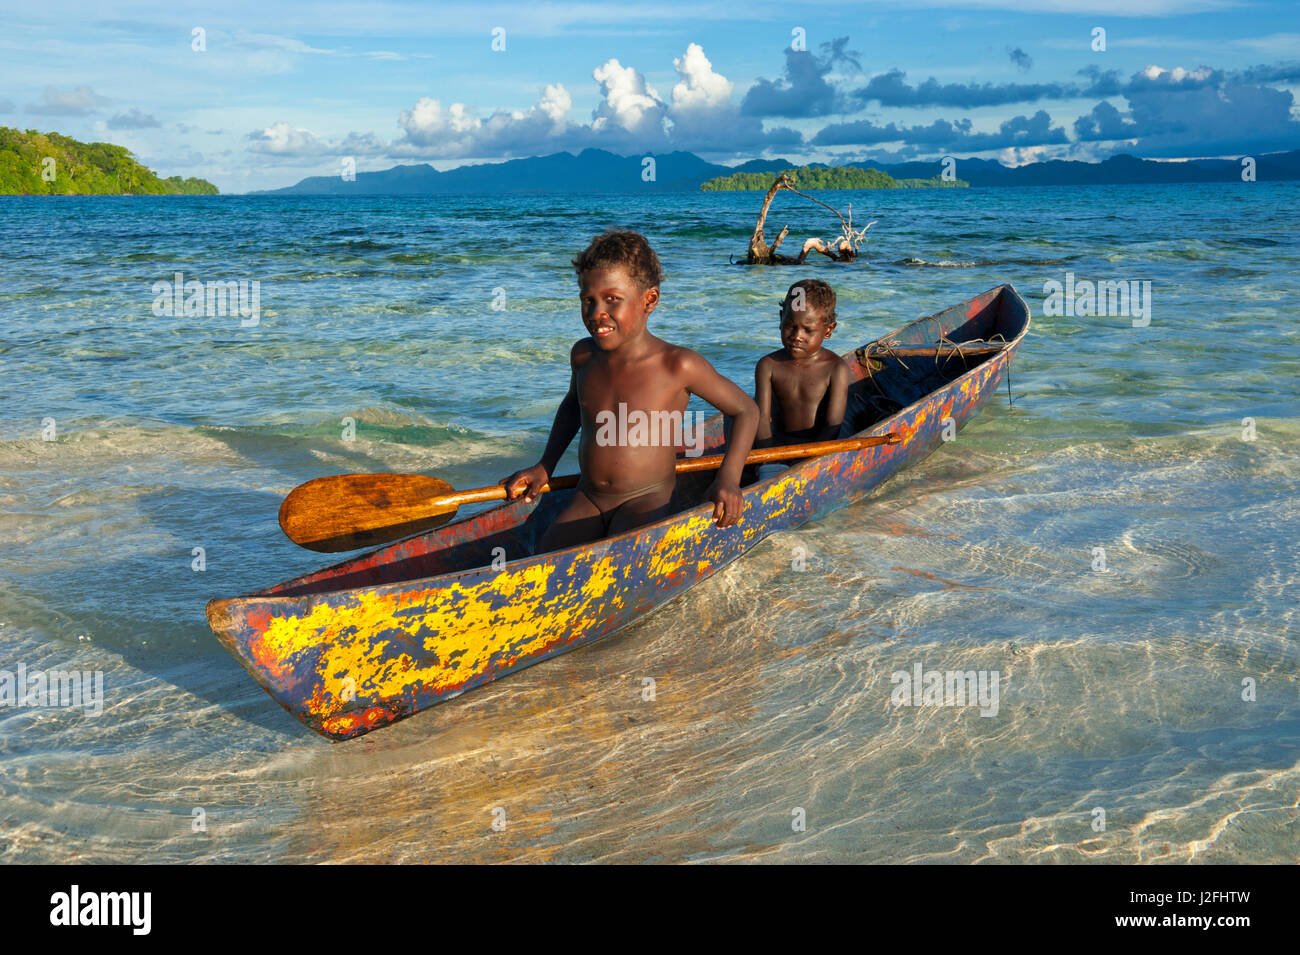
(641, 510)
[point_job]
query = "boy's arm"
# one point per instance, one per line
(568, 421)
(763, 398)
(702, 379)
(838, 401)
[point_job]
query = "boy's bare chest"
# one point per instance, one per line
(645, 386)
(801, 385)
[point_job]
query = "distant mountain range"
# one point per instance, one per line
(595, 170)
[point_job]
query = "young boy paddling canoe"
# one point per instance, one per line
(628, 475)
(801, 388)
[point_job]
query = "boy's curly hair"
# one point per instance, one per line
(818, 297)
(628, 250)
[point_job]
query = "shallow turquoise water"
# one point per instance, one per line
(1121, 689)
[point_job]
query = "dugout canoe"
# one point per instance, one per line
(381, 636)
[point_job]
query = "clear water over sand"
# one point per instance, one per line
(1119, 690)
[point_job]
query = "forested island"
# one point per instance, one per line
(817, 176)
(50, 164)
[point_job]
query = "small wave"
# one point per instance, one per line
(360, 244)
(414, 258)
(1230, 272)
(7, 346)
(704, 231)
(149, 257)
(1256, 241)
(370, 423)
(914, 262)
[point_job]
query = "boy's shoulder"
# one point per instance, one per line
(766, 364)
(839, 367)
(680, 358)
(685, 365)
(581, 351)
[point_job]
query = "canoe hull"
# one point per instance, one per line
(382, 636)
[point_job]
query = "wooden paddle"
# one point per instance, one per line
(347, 511)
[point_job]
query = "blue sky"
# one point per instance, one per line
(282, 91)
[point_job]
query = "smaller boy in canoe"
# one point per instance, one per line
(802, 388)
(622, 372)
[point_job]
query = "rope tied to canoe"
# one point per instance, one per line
(956, 348)
(959, 348)
(884, 348)
(881, 402)
(890, 383)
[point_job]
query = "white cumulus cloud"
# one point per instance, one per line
(456, 130)
(699, 87)
(281, 139)
(629, 103)
(630, 116)
(1178, 74)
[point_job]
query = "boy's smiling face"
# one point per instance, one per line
(614, 307)
(802, 332)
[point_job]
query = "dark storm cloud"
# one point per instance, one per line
(803, 90)
(1036, 130)
(892, 89)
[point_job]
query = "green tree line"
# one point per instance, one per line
(80, 169)
(822, 177)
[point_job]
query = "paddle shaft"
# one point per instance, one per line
(347, 511)
(684, 465)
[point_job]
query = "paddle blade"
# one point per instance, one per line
(350, 511)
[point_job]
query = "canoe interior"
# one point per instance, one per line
(511, 530)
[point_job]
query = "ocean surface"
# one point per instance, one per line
(1161, 690)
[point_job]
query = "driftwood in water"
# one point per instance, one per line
(760, 253)
(844, 249)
